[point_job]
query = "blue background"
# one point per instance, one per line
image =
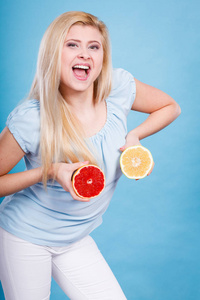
(150, 233)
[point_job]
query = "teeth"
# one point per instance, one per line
(81, 67)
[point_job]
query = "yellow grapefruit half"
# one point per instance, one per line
(136, 162)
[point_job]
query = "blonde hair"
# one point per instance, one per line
(61, 138)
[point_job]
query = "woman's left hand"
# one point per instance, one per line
(133, 140)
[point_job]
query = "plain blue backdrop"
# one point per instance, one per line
(150, 233)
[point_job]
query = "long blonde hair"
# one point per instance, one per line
(61, 138)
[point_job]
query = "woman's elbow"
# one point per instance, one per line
(177, 109)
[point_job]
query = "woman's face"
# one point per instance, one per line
(81, 60)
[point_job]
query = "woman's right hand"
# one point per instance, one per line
(62, 172)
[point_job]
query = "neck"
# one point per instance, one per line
(79, 99)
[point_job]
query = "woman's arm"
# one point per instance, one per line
(162, 110)
(11, 153)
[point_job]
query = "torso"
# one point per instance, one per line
(51, 217)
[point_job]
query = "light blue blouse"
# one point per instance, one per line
(51, 217)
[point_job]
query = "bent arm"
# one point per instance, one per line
(10, 154)
(162, 109)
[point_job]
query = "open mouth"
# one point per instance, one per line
(81, 71)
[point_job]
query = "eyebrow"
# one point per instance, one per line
(74, 40)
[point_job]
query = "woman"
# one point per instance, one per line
(75, 115)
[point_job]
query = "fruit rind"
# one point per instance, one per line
(135, 147)
(78, 171)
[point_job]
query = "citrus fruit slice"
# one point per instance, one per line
(88, 181)
(136, 162)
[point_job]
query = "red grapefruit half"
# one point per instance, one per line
(88, 181)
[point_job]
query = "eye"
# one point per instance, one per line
(94, 47)
(71, 45)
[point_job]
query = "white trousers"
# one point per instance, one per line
(79, 269)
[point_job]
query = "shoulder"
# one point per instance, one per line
(119, 73)
(26, 107)
(24, 123)
(122, 78)
(28, 111)
(123, 90)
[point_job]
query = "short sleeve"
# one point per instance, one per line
(123, 90)
(24, 124)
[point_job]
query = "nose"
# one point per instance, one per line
(84, 54)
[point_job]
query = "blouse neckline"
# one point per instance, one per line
(104, 128)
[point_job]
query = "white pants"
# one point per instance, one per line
(79, 269)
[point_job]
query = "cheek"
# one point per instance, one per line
(65, 65)
(99, 60)
(66, 58)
